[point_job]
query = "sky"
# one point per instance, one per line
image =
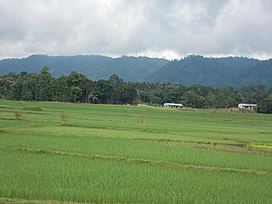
(156, 28)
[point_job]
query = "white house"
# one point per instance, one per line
(173, 105)
(248, 106)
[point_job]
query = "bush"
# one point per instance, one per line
(18, 114)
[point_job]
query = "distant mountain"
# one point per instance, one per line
(194, 69)
(215, 72)
(93, 66)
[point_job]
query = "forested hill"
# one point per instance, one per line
(93, 66)
(215, 72)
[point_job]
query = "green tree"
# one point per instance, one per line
(61, 89)
(24, 88)
(193, 100)
(46, 85)
(264, 103)
(117, 85)
(210, 101)
(129, 94)
(171, 93)
(82, 83)
(103, 91)
(75, 93)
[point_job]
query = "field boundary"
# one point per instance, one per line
(234, 146)
(139, 161)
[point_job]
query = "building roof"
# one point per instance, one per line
(247, 104)
(172, 104)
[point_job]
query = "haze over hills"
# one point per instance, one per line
(216, 72)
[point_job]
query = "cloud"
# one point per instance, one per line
(139, 27)
(243, 28)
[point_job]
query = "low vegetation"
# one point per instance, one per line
(91, 153)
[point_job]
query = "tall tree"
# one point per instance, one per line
(193, 100)
(79, 84)
(46, 85)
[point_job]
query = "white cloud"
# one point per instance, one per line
(167, 54)
(243, 27)
(159, 28)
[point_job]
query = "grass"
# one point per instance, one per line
(127, 154)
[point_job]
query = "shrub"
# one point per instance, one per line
(18, 114)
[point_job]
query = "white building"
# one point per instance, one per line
(248, 106)
(173, 105)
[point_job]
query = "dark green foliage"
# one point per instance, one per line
(46, 85)
(75, 93)
(217, 72)
(77, 87)
(96, 67)
(128, 94)
(103, 91)
(61, 90)
(236, 72)
(264, 103)
(193, 100)
(25, 87)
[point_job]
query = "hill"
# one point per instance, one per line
(93, 66)
(215, 72)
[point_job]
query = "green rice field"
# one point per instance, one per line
(85, 153)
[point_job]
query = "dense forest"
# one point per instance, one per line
(76, 87)
(93, 66)
(216, 72)
(221, 72)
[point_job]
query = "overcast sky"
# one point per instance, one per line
(157, 28)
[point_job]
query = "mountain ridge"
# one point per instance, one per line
(94, 66)
(215, 72)
(193, 69)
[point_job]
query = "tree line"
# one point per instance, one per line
(77, 87)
